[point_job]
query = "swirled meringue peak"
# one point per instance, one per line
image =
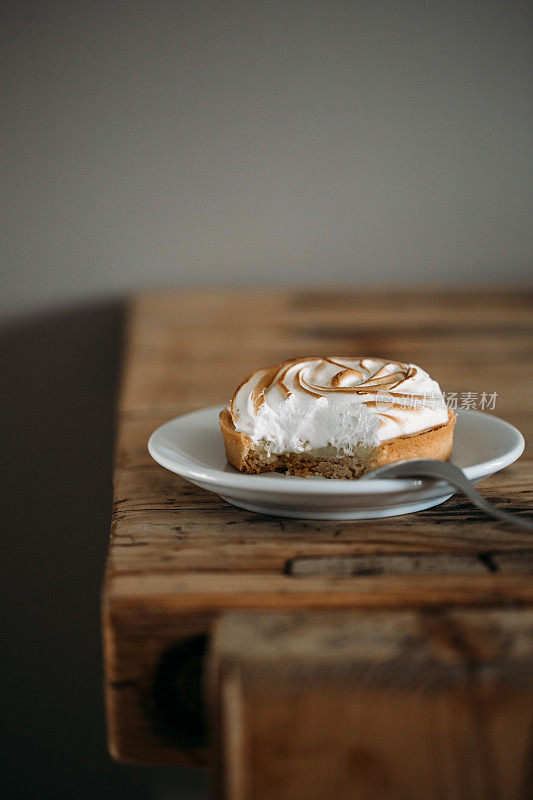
(336, 404)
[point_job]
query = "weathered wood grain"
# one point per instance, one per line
(179, 556)
(384, 705)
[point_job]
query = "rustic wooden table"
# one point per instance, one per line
(382, 658)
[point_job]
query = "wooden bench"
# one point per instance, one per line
(383, 658)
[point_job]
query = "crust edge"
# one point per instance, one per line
(241, 452)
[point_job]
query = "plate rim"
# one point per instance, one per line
(285, 484)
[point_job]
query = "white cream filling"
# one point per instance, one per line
(298, 421)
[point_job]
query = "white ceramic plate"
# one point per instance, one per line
(192, 446)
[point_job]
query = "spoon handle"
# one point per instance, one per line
(443, 470)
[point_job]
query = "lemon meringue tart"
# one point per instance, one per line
(336, 417)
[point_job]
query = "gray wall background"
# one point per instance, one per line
(230, 142)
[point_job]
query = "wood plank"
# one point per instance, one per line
(417, 705)
(179, 556)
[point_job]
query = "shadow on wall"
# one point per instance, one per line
(56, 405)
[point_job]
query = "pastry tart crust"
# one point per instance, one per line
(435, 443)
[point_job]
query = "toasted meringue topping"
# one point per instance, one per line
(314, 403)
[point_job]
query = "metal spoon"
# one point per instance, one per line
(443, 470)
